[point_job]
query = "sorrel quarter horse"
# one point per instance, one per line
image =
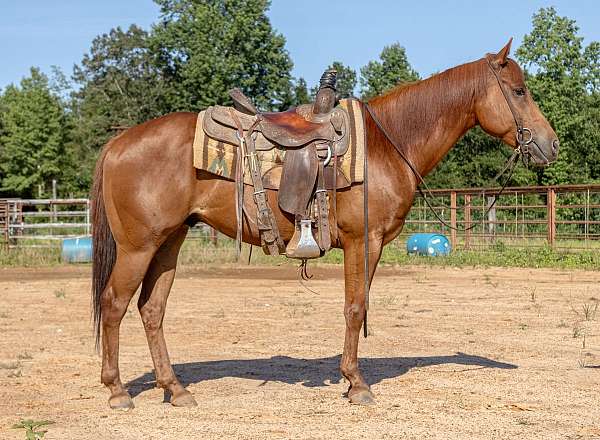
(147, 194)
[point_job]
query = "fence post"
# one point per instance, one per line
(87, 217)
(467, 221)
(453, 219)
(213, 237)
(551, 207)
(491, 218)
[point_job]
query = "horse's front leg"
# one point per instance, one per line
(354, 311)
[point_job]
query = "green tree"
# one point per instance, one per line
(33, 139)
(208, 47)
(119, 85)
(346, 80)
(377, 77)
(563, 76)
(300, 93)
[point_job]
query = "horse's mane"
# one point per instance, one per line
(411, 111)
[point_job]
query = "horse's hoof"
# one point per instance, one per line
(364, 397)
(184, 399)
(121, 401)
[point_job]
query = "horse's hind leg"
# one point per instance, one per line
(152, 303)
(125, 278)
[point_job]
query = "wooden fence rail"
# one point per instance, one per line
(564, 216)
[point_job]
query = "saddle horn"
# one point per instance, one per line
(242, 103)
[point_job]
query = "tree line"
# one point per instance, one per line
(52, 126)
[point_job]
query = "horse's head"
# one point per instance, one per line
(505, 109)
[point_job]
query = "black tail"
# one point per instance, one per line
(104, 248)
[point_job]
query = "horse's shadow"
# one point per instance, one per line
(309, 372)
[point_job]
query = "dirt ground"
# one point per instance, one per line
(453, 354)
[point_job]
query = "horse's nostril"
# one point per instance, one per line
(555, 146)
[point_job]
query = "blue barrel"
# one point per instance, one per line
(77, 250)
(433, 245)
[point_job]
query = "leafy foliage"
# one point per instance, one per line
(207, 48)
(378, 77)
(198, 50)
(300, 94)
(33, 138)
(346, 80)
(120, 85)
(563, 77)
(31, 427)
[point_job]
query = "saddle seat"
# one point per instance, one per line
(291, 129)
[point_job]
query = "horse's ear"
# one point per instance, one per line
(501, 57)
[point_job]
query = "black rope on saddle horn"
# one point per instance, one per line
(328, 79)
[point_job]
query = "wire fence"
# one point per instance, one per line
(564, 217)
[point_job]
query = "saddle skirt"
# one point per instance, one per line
(216, 145)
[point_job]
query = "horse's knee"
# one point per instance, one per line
(151, 317)
(354, 312)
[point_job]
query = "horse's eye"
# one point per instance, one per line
(520, 91)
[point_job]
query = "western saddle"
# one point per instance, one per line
(313, 137)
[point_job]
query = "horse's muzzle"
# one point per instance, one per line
(541, 153)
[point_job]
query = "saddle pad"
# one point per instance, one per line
(220, 158)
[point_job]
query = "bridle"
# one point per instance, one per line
(524, 138)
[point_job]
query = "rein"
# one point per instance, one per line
(522, 149)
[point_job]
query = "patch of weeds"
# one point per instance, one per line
(562, 324)
(15, 373)
(588, 310)
(24, 356)
(533, 294)
(32, 428)
(420, 279)
(523, 326)
(9, 365)
(524, 422)
(220, 314)
(578, 331)
(582, 361)
(61, 294)
(488, 280)
(299, 308)
(387, 301)
(469, 331)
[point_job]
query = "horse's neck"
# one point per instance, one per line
(427, 118)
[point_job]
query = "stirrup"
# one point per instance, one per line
(303, 244)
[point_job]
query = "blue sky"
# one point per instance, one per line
(436, 34)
